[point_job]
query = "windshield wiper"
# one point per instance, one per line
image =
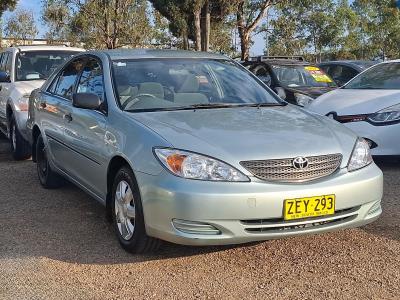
(209, 105)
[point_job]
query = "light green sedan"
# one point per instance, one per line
(191, 148)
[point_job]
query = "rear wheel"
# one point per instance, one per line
(127, 214)
(47, 177)
(20, 148)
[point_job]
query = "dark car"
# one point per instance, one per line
(342, 71)
(293, 79)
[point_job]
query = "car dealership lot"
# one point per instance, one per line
(58, 244)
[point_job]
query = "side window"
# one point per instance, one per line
(348, 73)
(9, 63)
(67, 78)
(4, 57)
(91, 80)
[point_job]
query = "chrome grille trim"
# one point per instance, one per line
(301, 227)
(282, 170)
(279, 224)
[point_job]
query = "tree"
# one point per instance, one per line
(379, 27)
(56, 15)
(21, 26)
(191, 19)
(249, 15)
(110, 23)
(7, 5)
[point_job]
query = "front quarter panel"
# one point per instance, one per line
(134, 142)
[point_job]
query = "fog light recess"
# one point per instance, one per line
(192, 227)
(375, 208)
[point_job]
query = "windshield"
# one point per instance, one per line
(159, 84)
(384, 76)
(34, 65)
(302, 76)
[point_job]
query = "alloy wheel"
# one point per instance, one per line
(125, 211)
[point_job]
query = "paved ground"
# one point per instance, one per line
(58, 245)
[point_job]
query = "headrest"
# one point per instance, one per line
(190, 85)
(153, 88)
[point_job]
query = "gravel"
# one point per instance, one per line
(57, 244)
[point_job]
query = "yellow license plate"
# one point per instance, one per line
(309, 207)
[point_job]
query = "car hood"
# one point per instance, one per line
(26, 87)
(353, 102)
(237, 134)
(313, 92)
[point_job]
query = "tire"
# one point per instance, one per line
(20, 148)
(47, 177)
(127, 215)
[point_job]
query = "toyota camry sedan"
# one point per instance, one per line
(191, 148)
(369, 104)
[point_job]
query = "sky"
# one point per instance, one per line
(36, 6)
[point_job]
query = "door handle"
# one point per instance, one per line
(43, 104)
(68, 117)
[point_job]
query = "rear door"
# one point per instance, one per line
(85, 131)
(53, 108)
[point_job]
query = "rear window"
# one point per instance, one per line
(302, 76)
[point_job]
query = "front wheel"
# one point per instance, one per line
(47, 177)
(20, 148)
(127, 214)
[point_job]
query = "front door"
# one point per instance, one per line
(85, 131)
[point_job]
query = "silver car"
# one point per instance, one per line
(192, 148)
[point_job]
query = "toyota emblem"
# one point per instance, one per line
(300, 163)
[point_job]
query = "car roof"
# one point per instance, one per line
(117, 54)
(282, 62)
(45, 48)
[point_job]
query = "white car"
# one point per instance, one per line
(23, 69)
(369, 104)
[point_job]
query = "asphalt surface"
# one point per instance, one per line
(58, 245)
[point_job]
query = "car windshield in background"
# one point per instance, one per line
(302, 76)
(168, 84)
(34, 65)
(384, 76)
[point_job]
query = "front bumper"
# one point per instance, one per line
(386, 137)
(253, 211)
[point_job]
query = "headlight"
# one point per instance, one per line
(22, 103)
(196, 166)
(387, 115)
(302, 99)
(360, 157)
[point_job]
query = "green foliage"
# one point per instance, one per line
(56, 15)
(365, 29)
(21, 26)
(110, 23)
(7, 5)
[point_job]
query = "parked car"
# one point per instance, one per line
(192, 148)
(293, 79)
(23, 69)
(369, 104)
(342, 71)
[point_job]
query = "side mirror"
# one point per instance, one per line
(4, 76)
(86, 100)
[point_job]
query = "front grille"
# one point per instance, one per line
(282, 170)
